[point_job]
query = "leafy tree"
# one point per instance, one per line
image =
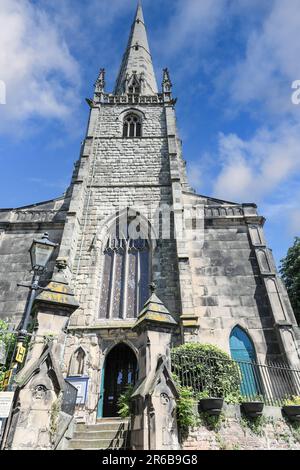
(290, 272)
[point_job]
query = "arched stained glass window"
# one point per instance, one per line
(125, 281)
(132, 126)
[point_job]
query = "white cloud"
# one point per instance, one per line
(253, 169)
(195, 174)
(271, 62)
(191, 25)
(295, 222)
(40, 74)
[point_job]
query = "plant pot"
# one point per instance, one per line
(292, 412)
(253, 409)
(212, 406)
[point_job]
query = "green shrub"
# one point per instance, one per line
(186, 413)
(124, 403)
(292, 401)
(210, 371)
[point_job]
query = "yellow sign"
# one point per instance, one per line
(20, 355)
(6, 378)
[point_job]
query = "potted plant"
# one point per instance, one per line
(210, 404)
(254, 407)
(291, 408)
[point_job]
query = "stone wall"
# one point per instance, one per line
(18, 228)
(234, 433)
(230, 290)
(229, 274)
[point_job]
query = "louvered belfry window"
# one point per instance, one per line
(125, 279)
(132, 126)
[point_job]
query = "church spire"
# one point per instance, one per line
(136, 74)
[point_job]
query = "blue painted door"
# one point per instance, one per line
(242, 349)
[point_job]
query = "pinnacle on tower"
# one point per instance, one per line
(100, 82)
(136, 74)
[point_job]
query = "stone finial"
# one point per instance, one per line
(100, 83)
(166, 84)
(167, 87)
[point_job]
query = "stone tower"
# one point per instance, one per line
(130, 171)
(130, 219)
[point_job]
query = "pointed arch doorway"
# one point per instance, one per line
(120, 371)
(242, 350)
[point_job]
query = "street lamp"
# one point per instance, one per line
(40, 254)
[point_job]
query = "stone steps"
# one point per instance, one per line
(105, 426)
(82, 444)
(102, 434)
(108, 433)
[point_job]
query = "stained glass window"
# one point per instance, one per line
(125, 280)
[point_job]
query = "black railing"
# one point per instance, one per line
(69, 399)
(246, 380)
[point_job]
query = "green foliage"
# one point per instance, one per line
(295, 430)
(8, 340)
(256, 425)
(252, 399)
(210, 371)
(292, 401)
(124, 403)
(290, 272)
(186, 413)
(234, 398)
(212, 423)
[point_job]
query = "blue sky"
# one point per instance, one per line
(232, 63)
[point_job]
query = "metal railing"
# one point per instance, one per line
(246, 380)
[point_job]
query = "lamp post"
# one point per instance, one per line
(40, 251)
(40, 254)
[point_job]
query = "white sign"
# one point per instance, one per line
(6, 399)
(81, 383)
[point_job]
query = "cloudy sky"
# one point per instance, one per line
(232, 63)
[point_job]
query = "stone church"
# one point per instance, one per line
(143, 263)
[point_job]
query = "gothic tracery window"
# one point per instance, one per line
(132, 126)
(125, 278)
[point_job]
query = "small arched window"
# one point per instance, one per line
(77, 363)
(132, 126)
